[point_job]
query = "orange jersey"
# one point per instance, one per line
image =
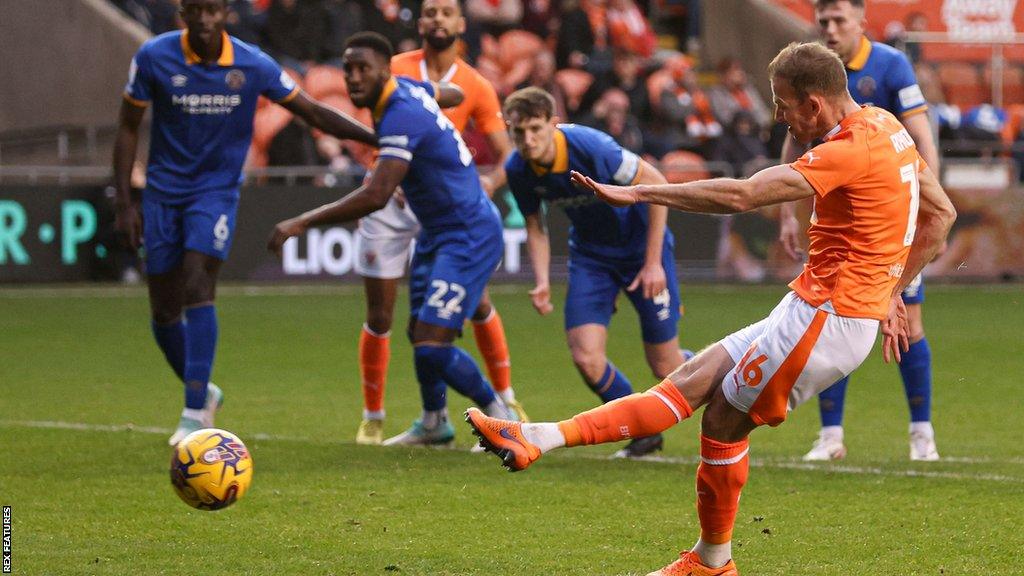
(865, 213)
(480, 103)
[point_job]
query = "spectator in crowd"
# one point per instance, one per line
(685, 112)
(243, 22)
(682, 19)
(611, 115)
(345, 18)
(396, 21)
(295, 33)
(158, 15)
(495, 16)
(540, 17)
(575, 37)
(741, 143)
(628, 28)
(735, 94)
(543, 76)
(625, 74)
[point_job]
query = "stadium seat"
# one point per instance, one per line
(682, 166)
(1013, 83)
(962, 84)
(574, 84)
(322, 81)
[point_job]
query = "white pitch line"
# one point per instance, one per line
(830, 468)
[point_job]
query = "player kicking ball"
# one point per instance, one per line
(611, 249)
(461, 239)
(866, 175)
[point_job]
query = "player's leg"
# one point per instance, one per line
(489, 332)
(916, 370)
(382, 253)
(446, 282)
(208, 223)
(829, 444)
(164, 237)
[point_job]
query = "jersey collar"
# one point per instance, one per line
(561, 163)
(389, 88)
(425, 76)
(227, 51)
(860, 59)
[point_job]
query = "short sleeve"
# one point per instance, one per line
(430, 87)
(139, 89)
(909, 99)
(399, 134)
(487, 113)
(833, 164)
(527, 200)
(277, 84)
(614, 164)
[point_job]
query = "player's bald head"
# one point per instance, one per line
(809, 68)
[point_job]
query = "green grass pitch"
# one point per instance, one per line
(87, 403)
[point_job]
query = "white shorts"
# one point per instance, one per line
(790, 356)
(383, 241)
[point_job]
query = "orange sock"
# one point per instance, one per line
(490, 339)
(374, 353)
(720, 478)
(633, 416)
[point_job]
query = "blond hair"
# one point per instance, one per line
(810, 68)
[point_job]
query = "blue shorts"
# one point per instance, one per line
(204, 223)
(914, 292)
(449, 273)
(595, 283)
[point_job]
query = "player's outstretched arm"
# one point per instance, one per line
(717, 196)
(651, 278)
(330, 120)
(368, 198)
(935, 216)
(538, 246)
(127, 220)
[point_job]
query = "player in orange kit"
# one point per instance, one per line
(866, 175)
(383, 238)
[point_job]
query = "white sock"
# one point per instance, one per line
(832, 431)
(497, 409)
(373, 414)
(923, 428)
(713, 555)
(433, 418)
(193, 413)
(545, 435)
(508, 395)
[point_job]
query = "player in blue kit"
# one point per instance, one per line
(461, 239)
(203, 86)
(610, 249)
(878, 75)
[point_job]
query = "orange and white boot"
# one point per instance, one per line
(504, 439)
(689, 564)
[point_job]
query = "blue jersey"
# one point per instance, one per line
(442, 185)
(880, 75)
(597, 228)
(202, 113)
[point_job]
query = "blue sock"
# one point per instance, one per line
(613, 384)
(916, 369)
(200, 344)
(458, 370)
(171, 339)
(432, 386)
(830, 403)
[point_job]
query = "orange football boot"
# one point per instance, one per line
(689, 564)
(504, 439)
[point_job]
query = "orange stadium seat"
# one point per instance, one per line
(1013, 84)
(322, 81)
(682, 166)
(574, 84)
(962, 84)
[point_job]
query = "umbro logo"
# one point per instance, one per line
(179, 80)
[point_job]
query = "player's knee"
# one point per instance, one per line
(198, 288)
(724, 422)
(483, 310)
(590, 363)
(165, 313)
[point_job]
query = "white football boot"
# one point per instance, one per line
(188, 424)
(828, 446)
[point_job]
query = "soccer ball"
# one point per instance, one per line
(210, 469)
